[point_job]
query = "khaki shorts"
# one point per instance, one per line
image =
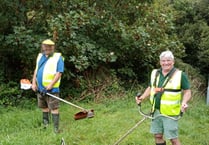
(48, 102)
(166, 126)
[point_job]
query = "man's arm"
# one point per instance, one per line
(34, 86)
(56, 78)
(186, 97)
(186, 91)
(60, 70)
(144, 95)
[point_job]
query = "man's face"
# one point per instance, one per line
(166, 63)
(47, 49)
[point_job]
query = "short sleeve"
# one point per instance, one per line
(60, 65)
(185, 85)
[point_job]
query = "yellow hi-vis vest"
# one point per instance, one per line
(171, 99)
(50, 69)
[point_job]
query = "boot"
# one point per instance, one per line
(55, 118)
(161, 143)
(45, 119)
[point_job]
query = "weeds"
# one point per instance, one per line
(112, 119)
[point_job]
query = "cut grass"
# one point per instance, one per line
(113, 118)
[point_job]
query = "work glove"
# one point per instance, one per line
(43, 92)
(138, 100)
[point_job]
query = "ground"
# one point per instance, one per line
(113, 118)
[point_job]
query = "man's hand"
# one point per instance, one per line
(184, 106)
(49, 87)
(34, 87)
(186, 98)
(138, 100)
(140, 97)
(56, 78)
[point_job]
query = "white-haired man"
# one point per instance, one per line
(167, 86)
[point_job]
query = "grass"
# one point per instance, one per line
(22, 126)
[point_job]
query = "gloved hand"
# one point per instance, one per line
(138, 99)
(43, 92)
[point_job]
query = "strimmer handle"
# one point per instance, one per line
(181, 114)
(138, 95)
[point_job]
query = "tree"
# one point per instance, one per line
(125, 37)
(193, 31)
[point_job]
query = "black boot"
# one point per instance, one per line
(45, 119)
(161, 143)
(55, 118)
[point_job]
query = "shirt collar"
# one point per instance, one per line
(50, 55)
(168, 73)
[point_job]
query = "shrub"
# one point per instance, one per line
(11, 95)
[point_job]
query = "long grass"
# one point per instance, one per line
(22, 126)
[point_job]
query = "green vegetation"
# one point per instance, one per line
(112, 119)
(109, 47)
(192, 28)
(123, 37)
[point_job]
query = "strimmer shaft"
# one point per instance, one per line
(129, 131)
(65, 101)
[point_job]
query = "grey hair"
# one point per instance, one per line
(167, 54)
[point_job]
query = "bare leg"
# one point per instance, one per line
(55, 111)
(45, 109)
(175, 141)
(159, 139)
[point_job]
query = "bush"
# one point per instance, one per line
(192, 25)
(11, 95)
(124, 37)
(197, 81)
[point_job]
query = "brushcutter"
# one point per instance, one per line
(145, 116)
(63, 141)
(25, 84)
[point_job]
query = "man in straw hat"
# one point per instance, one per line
(46, 78)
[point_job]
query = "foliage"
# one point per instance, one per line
(90, 34)
(193, 31)
(9, 94)
(124, 37)
(197, 81)
(95, 85)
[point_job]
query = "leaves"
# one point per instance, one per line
(193, 31)
(126, 37)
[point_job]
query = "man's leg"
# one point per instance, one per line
(46, 115)
(171, 130)
(55, 118)
(42, 103)
(157, 129)
(159, 139)
(175, 141)
(54, 107)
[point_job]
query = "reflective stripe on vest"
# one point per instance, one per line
(50, 69)
(170, 100)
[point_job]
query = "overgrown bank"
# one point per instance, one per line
(108, 46)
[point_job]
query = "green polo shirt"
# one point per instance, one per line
(184, 85)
